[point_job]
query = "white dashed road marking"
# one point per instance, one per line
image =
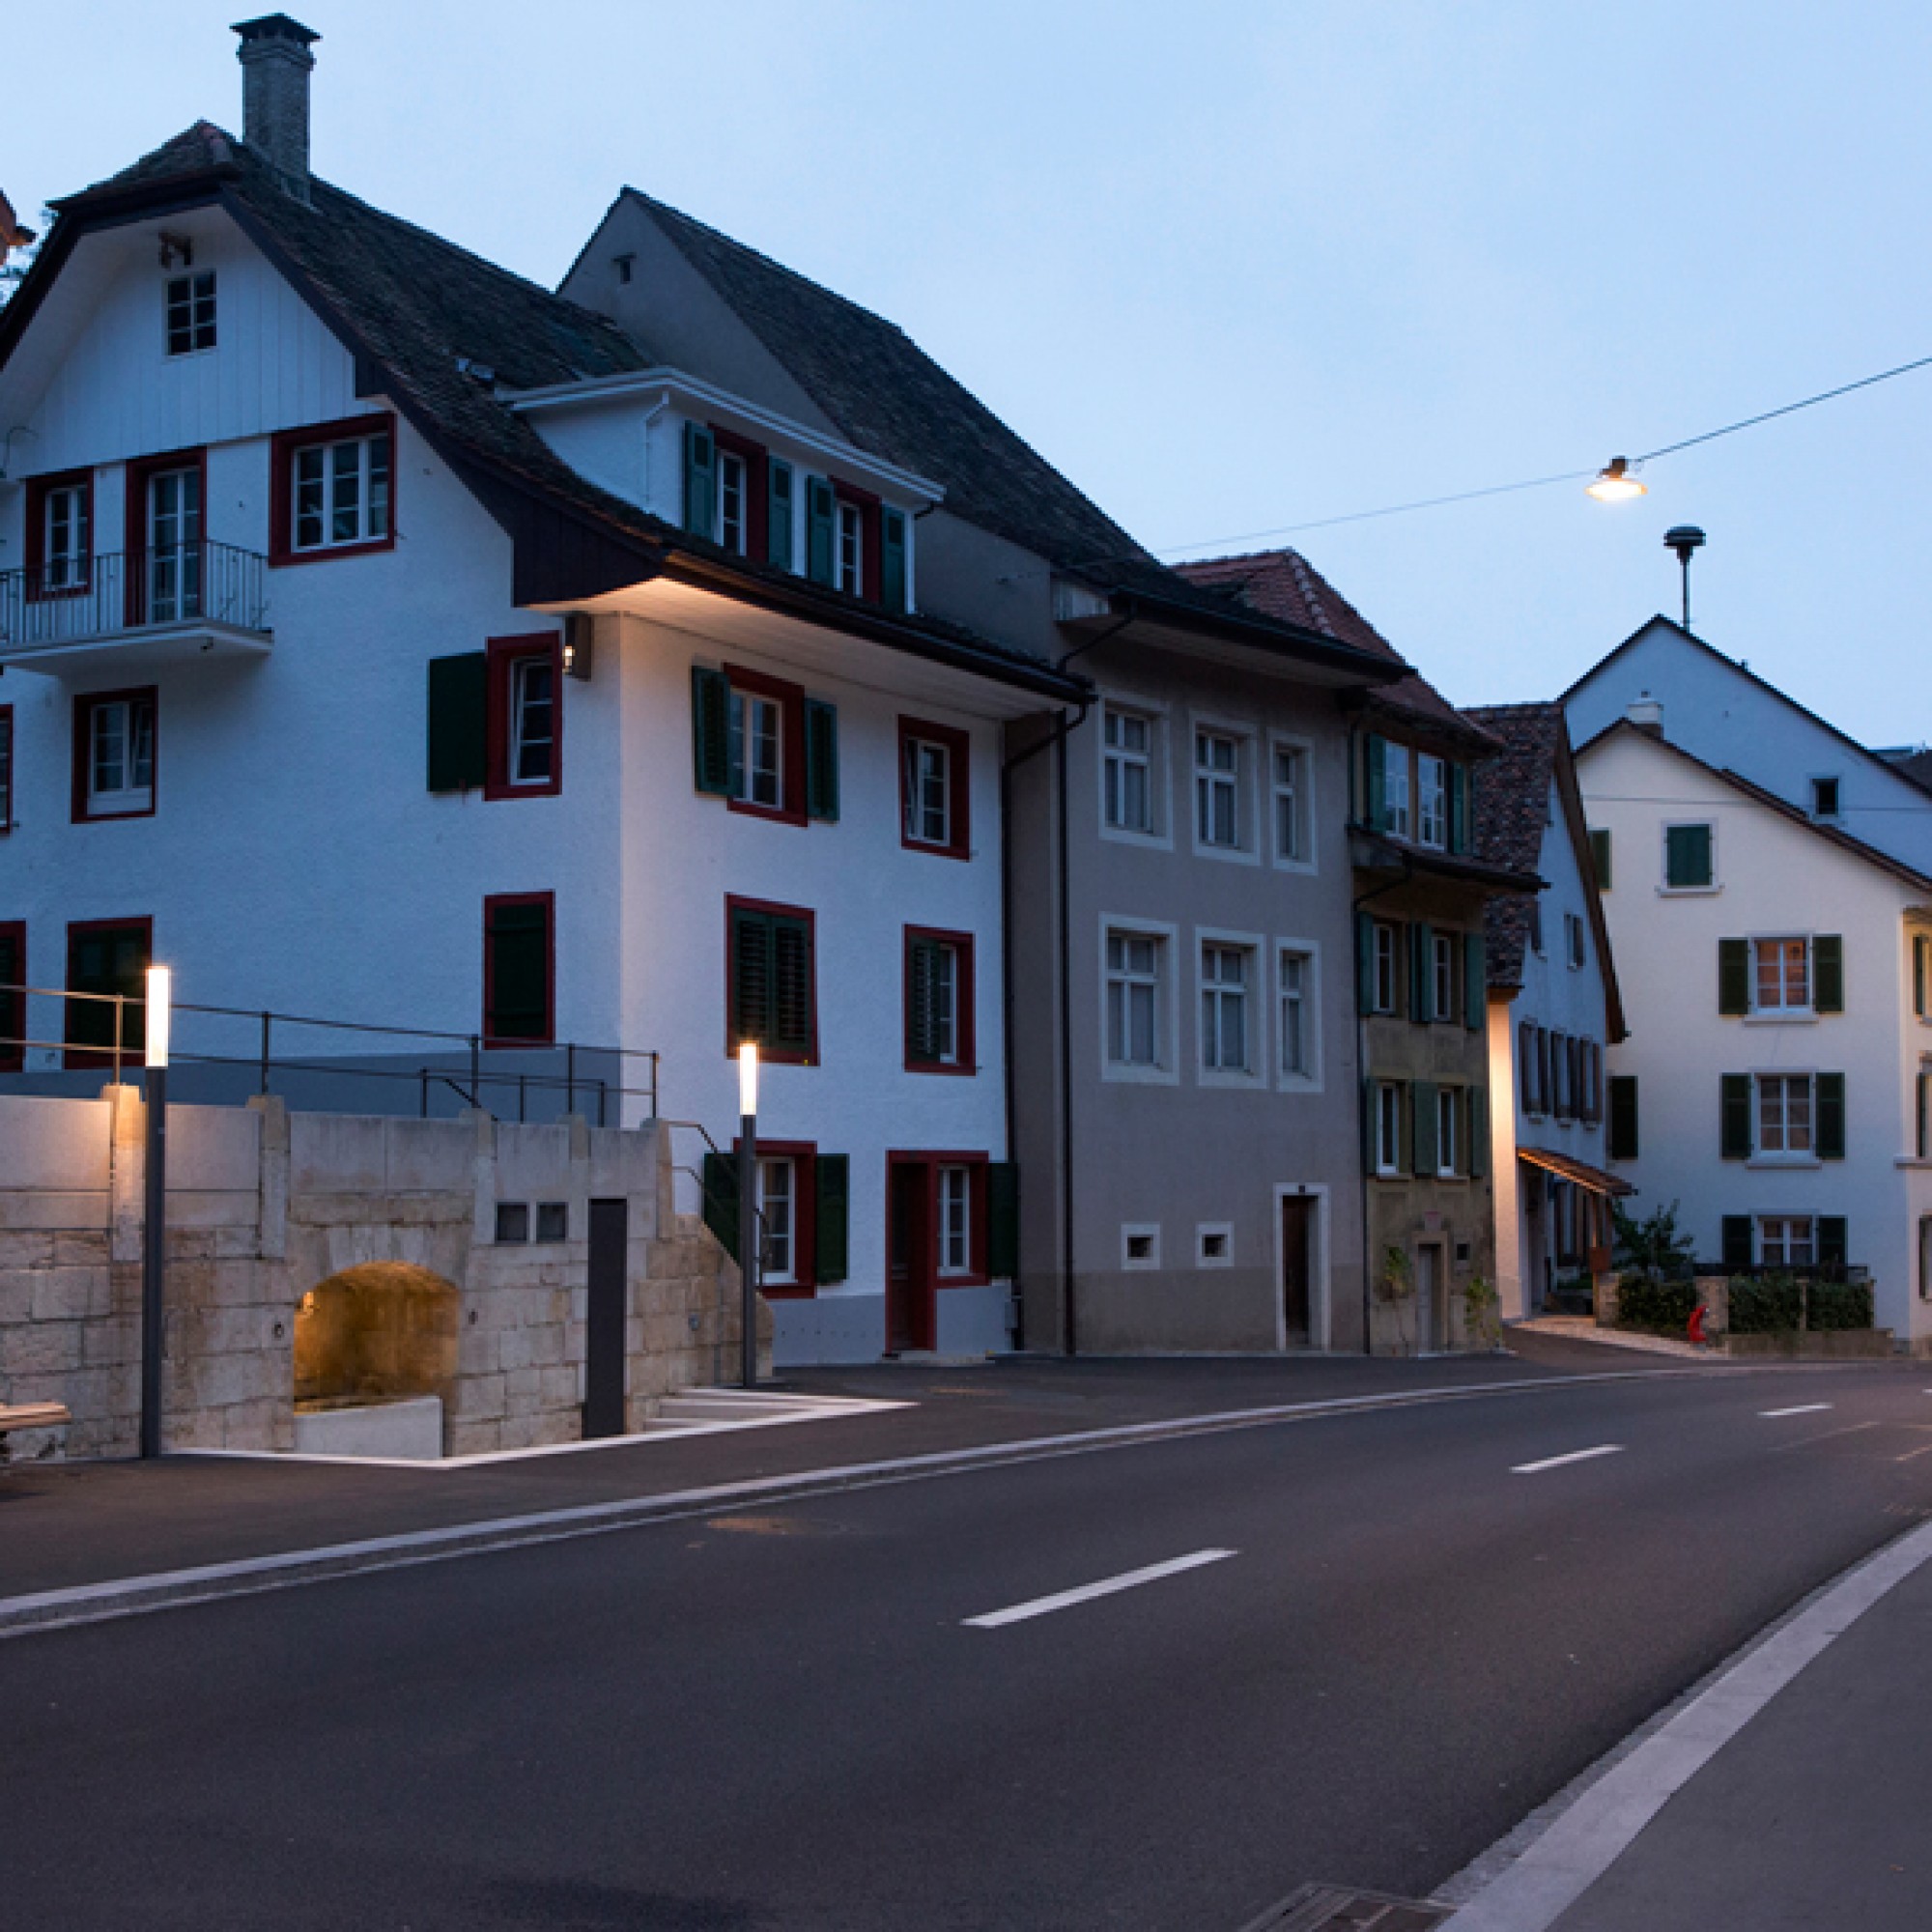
(1575, 1456)
(1087, 1592)
(1803, 1409)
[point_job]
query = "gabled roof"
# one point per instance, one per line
(1283, 584)
(1856, 848)
(440, 329)
(1512, 819)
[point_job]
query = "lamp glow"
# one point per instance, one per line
(747, 1078)
(1614, 483)
(160, 1013)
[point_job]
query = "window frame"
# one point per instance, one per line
(1160, 829)
(1670, 825)
(863, 506)
(1246, 849)
(1398, 762)
(790, 701)
(1207, 1231)
(1254, 1014)
(1445, 958)
(502, 657)
(85, 705)
(1451, 1163)
(975, 1161)
(1310, 1079)
(1303, 752)
(1424, 760)
(138, 589)
(491, 1041)
(1388, 1105)
(189, 276)
(1386, 956)
(39, 490)
(1786, 1155)
(804, 1158)
(1760, 1244)
(769, 1055)
(958, 747)
(1837, 784)
(284, 447)
(1164, 1069)
(965, 1054)
(13, 933)
(1574, 953)
(89, 1057)
(1784, 1010)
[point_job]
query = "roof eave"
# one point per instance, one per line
(1355, 666)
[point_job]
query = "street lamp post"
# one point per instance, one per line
(153, 1255)
(747, 1205)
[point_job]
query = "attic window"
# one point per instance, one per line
(190, 313)
(1825, 798)
(623, 265)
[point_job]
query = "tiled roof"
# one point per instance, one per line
(1283, 584)
(1512, 815)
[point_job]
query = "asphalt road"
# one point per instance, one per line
(784, 1718)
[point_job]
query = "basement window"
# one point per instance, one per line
(1214, 1244)
(1140, 1245)
(513, 1222)
(553, 1221)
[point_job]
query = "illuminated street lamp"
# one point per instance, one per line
(1614, 483)
(156, 1032)
(747, 1205)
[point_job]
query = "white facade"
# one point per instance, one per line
(1774, 878)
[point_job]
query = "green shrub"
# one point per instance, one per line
(1768, 1304)
(1656, 1307)
(1841, 1304)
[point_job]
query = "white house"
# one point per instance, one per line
(1554, 1007)
(1775, 971)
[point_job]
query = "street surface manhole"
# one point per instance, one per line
(1333, 1908)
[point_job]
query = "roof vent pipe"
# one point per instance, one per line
(276, 67)
(1647, 715)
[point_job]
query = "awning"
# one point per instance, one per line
(1578, 1170)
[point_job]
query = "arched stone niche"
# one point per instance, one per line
(380, 1331)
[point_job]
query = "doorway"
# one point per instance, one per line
(911, 1314)
(1432, 1299)
(606, 1319)
(1298, 1229)
(165, 502)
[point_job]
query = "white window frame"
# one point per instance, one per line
(1247, 850)
(127, 799)
(1448, 1132)
(1389, 956)
(370, 529)
(1784, 1010)
(1205, 1232)
(953, 1192)
(848, 548)
(1303, 752)
(778, 1256)
(1813, 781)
(519, 670)
(1432, 801)
(192, 279)
(1398, 806)
(1308, 952)
(1388, 1128)
(1165, 1071)
(745, 710)
(1443, 948)
(1253, 1010)
(914, 782)
(65, 566)
(1786, 1223)
(1574, 950)
(730, 465)
(1666, 889)
(1140, 1231)
(1160, 824)
(1786, 1155)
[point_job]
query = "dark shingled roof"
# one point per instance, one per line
(1512, 815)
(1283, 584)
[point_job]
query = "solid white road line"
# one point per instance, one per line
(1803, 1409)
(1575, 1456)
(1066, 1599)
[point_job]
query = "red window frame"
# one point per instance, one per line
(282, 449)
(14, 1055)
(502, 654)
(756, 459)
(791, 696)
(769, 1056)
(933, 1162)
(82, 1058)
(871, 565)
(39, 489)
(134, 532)
(958, 786)
(491, 902)
(9, 768)
(964, 1044)
(84, 706)
(804, 1157)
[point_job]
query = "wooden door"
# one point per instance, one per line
(909, 1250)
(606, 1320)
(1297, 1223)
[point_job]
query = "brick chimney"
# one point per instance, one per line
(275, 65)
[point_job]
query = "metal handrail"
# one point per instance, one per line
(76, 597)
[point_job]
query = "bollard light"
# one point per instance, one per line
(160, 1011)
(747, 1078)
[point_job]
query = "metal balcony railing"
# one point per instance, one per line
(74, 599)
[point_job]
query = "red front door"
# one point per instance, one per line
(910, 1313)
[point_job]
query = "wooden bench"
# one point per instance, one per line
(32, 1415)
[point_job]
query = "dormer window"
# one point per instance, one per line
(1395, 790)
(190, 312)
(850, 574)
(1431, 776)
(731, 500)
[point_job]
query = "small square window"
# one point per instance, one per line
(1825, 798)
(513, 1221)
(553, 1220)
(1214, 1244)
(1140, 1244)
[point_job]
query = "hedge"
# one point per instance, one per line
(1841, 1304)
(1770, 1304)
(1656, 1307)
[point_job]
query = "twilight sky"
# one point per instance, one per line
(1233, 266)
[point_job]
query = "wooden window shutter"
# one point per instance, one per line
(1475, 982)
(1735, 1125)
(1003, 1220)
(1599, 859)
(1919, 1142)
(821, 759)
(752, 978)
(1733, 976)
(920, 1018)
(892, 558)
(1422, 1130)
(1833, 1243)
(1368, 1126)
(1828, 973)
(1477, 1106)
(1919, 976)
(1623, 1117)
(791, 986)
(821, 523)
(13, 1006)
(518, 941)
(1525, 1056)
(1458, 808)
(711, 731)
(1422, 974)
(778, 513)
(1687, 856)
(1831, 1089)
(1736, 1237)
(831, 1229)
(1378, 782)
(459, 730)
(721, 1199)
(1365, 963)
(1543, 1096)
(701, 481)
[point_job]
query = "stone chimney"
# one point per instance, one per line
(1647, 715)
(275, 64)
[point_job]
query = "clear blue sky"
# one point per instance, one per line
(1238, 266)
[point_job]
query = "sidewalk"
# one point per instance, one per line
(1817, 1812)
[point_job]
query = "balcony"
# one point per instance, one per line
(135, 609)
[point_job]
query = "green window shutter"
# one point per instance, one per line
(1828, 973)
(1365, 963)
(1421, 973)
(459, 703)
(1918, 1138)
(1458, 808)
(821, 759)
(779, 513)
(791, 986)
(1475, 982)
(701, 481)
(831, 1229)
(821, 518)
(1422, 1129)
(13, 1006)
(892, 584)
(721, 1199)
(1003, 1220)
(1599, 859)
(751, 976)
(1832, 1244)
(1919, 976)
(518, 941)
(921, 967)
(1735, 1141)
(1378, 776)
(1623, 1117)
(1830, 1116)
(711, 731)
(1687, 856)
(1733, 976)
(1368, 1126)
(1737, 1234)
(1478, 1105)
